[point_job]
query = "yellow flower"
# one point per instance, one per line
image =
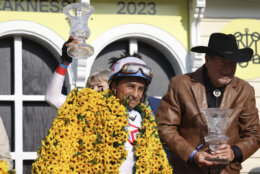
(3, 167)
(88, 136)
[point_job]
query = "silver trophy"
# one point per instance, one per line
(78, 14)
(217, 123)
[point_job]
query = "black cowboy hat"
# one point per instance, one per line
(225, 46)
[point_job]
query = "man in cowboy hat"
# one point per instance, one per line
(182, 126)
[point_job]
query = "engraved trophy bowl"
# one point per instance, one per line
(217, 123)
(78, 14)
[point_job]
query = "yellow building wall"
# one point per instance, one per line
(46, 13)
(168, 15)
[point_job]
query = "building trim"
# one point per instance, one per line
(160, 39)
(38, 33)
(196, 13)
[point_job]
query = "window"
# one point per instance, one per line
(25, 70)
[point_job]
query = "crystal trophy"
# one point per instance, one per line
(217, 122)
(78, 14)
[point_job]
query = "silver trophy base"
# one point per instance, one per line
(218, 160)
(80, 51)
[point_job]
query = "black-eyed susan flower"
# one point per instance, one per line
(88, 136)
(4, 168)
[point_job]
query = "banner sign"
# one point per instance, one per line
(143, 7)
(139, 8)
(51, 6)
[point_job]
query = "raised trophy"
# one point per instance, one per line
(78, 14)
(217, 123)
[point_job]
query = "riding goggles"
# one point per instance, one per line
(133, 68)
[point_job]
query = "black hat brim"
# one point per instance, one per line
(241, 55)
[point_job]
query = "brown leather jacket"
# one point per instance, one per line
(182, 127)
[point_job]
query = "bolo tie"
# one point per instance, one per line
(217, 94)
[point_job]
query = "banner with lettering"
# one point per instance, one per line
(51, 6)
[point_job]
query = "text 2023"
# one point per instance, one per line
(140, 8)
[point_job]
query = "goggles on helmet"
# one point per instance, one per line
(133, 68)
